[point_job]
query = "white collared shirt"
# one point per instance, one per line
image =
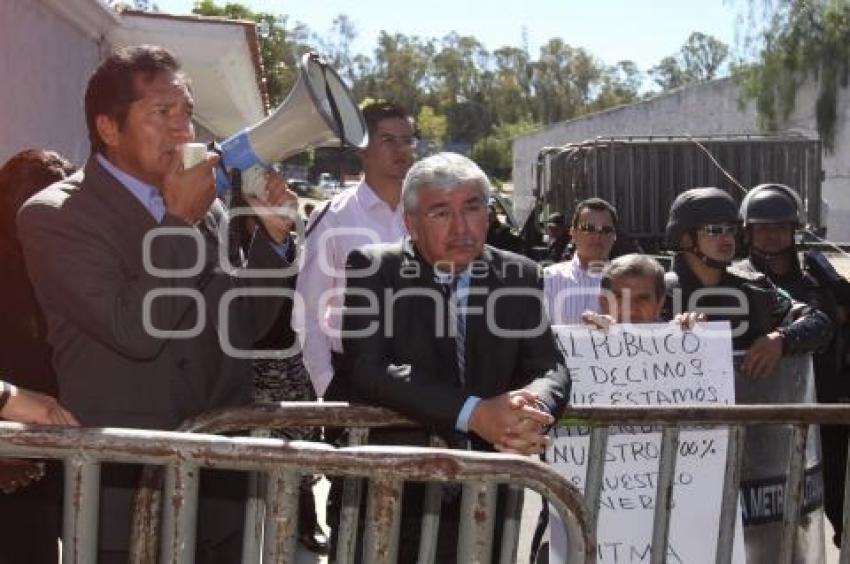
(356, 217)
(570, 290)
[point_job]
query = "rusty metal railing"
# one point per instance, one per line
(282, 463)
(671, 419)
(360, 419)
(475, 543)
(261, 417)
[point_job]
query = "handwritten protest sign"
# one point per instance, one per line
(648, 364)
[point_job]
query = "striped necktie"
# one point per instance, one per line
(460, 329)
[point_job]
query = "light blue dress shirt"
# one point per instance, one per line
(147, 195)
(152, 199)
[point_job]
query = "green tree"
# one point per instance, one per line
(699, 59)
(432, 126)
(458, 68)
(510, 93)
(460, 92)
(493, 155)
(469, 119)
(800, 40)
(702, 56)
(493, 152)
(402, 69)
(564, 78)
(669, 74)
(620, 85)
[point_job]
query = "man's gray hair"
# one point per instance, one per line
(634, 265)
(443, 170)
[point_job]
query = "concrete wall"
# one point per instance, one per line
(44, 65)
(705, 109)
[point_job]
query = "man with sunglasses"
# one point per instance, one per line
(572, 288)
(702, 227)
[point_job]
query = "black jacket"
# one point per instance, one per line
(803, 287)
(500, 236)
(753, 306)
(406, 364)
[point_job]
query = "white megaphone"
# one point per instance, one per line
(318, 112)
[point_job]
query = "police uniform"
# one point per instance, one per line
(775, 203)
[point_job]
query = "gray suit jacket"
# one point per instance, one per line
(83, 243)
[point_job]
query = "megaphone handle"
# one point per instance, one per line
(237, 223)
(334, 109)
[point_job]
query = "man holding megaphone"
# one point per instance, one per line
(124, 258)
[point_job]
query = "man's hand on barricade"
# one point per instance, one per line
(189, 193)
(762, 356)
(277, 210)
(512, 422)
(687, 320)
(25, 406)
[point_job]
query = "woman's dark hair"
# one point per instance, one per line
(22, 176)
(24, 328)
(112, 87)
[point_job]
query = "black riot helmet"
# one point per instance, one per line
(771, 203)
(697, 207)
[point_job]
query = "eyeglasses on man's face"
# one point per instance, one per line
(467, 212)
(593, 228)
(720, 229)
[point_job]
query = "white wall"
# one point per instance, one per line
(705, 109)
(44, 65)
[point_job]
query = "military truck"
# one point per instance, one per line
(642, 175)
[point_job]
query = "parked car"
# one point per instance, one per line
(328, 184)
(298, 186)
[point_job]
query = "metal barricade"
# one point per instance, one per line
(738, 419)
(282, 463)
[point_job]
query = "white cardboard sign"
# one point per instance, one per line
(648, 364)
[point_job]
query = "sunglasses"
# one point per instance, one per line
(591, 228)
(718, 230)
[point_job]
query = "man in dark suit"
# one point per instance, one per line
(124, 258)
(450, 332)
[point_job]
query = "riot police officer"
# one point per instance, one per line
(771, 214)
(702, 227)
(766, 325)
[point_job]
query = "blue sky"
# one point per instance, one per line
(613, 30)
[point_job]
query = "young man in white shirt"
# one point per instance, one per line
(370, 213)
